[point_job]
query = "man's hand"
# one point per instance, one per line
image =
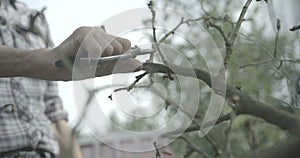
(92, 42)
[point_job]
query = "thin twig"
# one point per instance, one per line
(219, 29)
(151, 7)
(169, 101)
(182, 21)
(228, 135)
(239, 22)
(276, 39)
(256, 63)
(197, 127)
(202, 7)
(127, 88)
(232, 37)
(206, 17)
(172, 31)
(225, 18)
(257, 44)
(132, 85)
(137, 79)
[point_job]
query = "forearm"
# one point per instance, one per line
(67, 142)
(13, 62)
(24, 63)
(30, 63)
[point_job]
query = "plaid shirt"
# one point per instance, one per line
(27, 106)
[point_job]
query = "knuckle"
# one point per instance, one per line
(80, 33)
(83, 30)
(98, 31)
(126, 44)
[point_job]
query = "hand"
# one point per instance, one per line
(92, 42)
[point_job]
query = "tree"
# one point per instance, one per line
(260, 59)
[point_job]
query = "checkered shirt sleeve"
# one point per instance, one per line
(54, 107)
(27, 106)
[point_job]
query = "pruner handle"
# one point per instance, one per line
(96, 61)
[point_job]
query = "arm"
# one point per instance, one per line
(85, 41)
(67, 142)
(13, 62)
(29, 63)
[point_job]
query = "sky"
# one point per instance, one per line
(64, 16)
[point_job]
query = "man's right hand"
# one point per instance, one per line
(91, 42)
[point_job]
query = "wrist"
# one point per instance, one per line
(39, 63)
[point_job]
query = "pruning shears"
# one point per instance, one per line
(133, 52)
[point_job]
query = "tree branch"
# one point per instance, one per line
(219, 29)
(234, 33)
(151, 7)
(271, 115)
(294, 28)
(182, 21)
(276, 39)
(246, 105)
(172, 31)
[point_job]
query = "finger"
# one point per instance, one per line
(126, 44)
(101, 37)
(117, 46)
(108, 49)
(91, 47)
(70, 46)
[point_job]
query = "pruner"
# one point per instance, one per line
(133, 52)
